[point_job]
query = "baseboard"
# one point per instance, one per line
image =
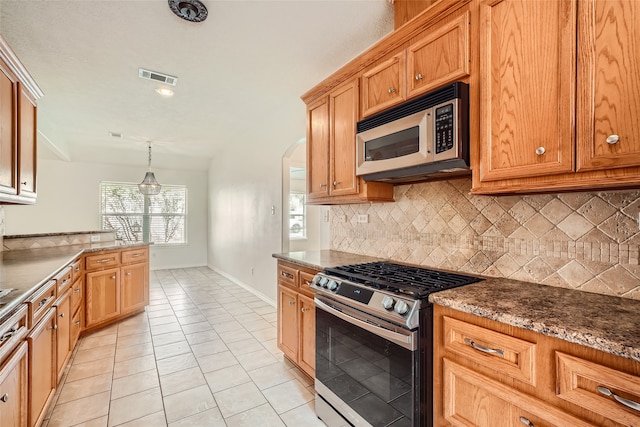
(174, 267)
(240, 283)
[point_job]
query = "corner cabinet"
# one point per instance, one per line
(116, 285)
(18, 129)
(489, 374)
(559, 96)
(331, 151)
(296, 316)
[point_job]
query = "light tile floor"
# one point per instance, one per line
(202, 354)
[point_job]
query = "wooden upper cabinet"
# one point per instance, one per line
(27, 139)
(527, 80)
(8, 130)
(440, 56)
(318, 149)
(343, 115)
(383, 85)
(608, 84)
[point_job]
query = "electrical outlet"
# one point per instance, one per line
(95, 237)
(363, 218)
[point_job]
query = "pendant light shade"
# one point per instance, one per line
(149, 185)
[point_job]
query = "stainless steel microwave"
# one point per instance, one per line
(425, 138)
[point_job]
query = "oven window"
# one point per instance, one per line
(394, 145)
(372, 375)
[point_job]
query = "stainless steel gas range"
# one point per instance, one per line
(374, 343)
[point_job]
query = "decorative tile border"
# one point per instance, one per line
(13, 243)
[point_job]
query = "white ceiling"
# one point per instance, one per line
(240, 73)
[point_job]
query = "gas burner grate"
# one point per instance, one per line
(412, 281)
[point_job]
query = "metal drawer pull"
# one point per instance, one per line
(5, 397)
(287, 275)
(540, 151)
(483, 348)
(53, 328)
(61, 314)
(43, 302)
(102, 261)
(392, 90)
(418, 76)
(77, 322)
(64, 281)
(526, 422)
(291, 302)
(76, 291)
(135, 255)
(612, 139)
(626, 402)
(304, 309)
(7, 335)
(77, 269)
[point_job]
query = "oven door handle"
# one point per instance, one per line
(406, 341)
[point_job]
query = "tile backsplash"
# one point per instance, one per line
(48, 240)
(586, 241)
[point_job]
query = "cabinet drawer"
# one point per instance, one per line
(287, 275)
(305, 280)
(12, 331)
(76, 270)
(104, 260)
(135, 255)
(40, 302)
(64, 279)
(600, 389)
(502, 353)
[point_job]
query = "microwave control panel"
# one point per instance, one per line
(444, 128)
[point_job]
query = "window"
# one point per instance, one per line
(297, 216)
(158, 219)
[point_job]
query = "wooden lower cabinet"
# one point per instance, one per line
(489, 374)
(63, 332)
(42, 367)
(102, 296)
(297, 316)
(135, 288)
(13, 389)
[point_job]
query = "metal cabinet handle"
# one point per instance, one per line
(76, 291)
(76, 269)
(102, 261)
(540, 151)
(613, 139)
(626, 402)
(483, 348)
(61, 314)
(5, 397)
(53, 328)
(287, 275)
(336, 183)
(304, 309)
(77, 322)
(7, 335)
(419, 76)
(392, 90)
(43, 302)
(526, 422)
(135, 255)
(323, 185)
(292, 302)
(24, 183)
(113, 277)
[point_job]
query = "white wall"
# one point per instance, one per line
(68, 200)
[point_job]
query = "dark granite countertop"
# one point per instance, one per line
(607, 323)
(320, 260)
(26, 270)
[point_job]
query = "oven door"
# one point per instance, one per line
(367, 369)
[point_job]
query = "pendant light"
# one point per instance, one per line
(149, 186)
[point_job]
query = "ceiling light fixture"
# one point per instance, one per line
(164, 91)
(189, 10)
(149, 186)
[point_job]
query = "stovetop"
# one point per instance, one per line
(413, 282)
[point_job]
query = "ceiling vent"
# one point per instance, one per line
(157, 77)
(189, 10)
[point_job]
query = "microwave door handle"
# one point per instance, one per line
(405, 341)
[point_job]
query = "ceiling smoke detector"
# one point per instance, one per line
(189, 10)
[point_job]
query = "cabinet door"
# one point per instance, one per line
(343, 113)
(27, 138)
(76, 294)
(318, 149)
(134, 287)
(473, 400)
(76, 327)
(42, 366)
(440, 57)
(288, 322)
(63, 331)
(608, 84)
(13, 389)
(102, 296)
(307, 348)
(527, 88)
(383, 85)
(8, 130)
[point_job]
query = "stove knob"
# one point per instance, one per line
(316, 279)
(388, 303)
(332, 286)
(323, 282)
(402, 307)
